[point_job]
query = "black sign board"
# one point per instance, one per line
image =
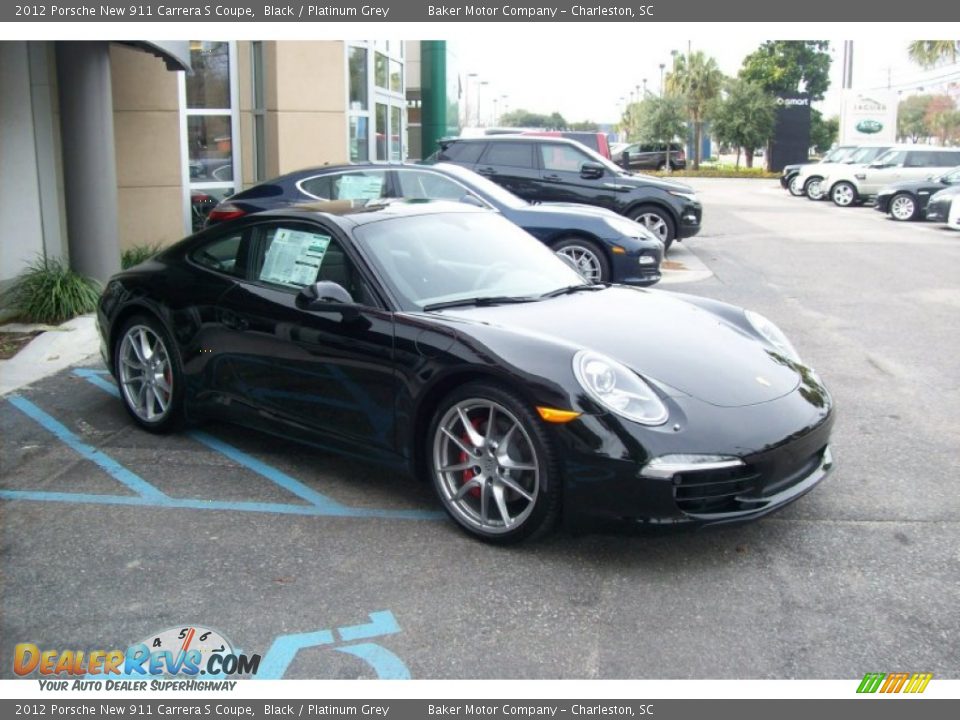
(791, 135)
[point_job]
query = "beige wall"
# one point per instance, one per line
(308, 81)
(146, 116)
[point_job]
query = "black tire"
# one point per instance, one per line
(793, 187)
(591, 254)
(808, 184)
(844, 194)
(152, 383)
(662, 166)
(644, 213)
(466, 493)
(903, 207)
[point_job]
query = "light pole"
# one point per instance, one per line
(466, 99)
(479, 91)
(644, 87)
(662, 66)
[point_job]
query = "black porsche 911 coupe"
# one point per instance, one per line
(441, 339)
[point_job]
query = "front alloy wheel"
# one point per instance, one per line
(795, 186)
(148, 376)
(843, 194)
(489, 465)
(587, 257)
(657, 222)
(813, 188)
(903, 207)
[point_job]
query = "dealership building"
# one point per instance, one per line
(112, 145)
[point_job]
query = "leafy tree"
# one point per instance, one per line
(941, 117)
(525, 118)
(585, 126)
(928, 53)
(823, 133)
(782, 66)
(656, 120)
(912, 118)
(743, 116)
(697, 79)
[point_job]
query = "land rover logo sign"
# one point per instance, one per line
(869, 127)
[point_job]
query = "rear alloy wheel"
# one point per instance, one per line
(795, 187)
(843, 194)
(656, 221)
(587, 256)
(813, 188)
(148, 375)
(903, 207)
(491, 465)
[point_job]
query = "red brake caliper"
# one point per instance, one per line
(468, 474)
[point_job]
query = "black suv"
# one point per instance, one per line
(651, 156)
(548, 169)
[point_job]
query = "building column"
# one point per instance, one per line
(89, 160)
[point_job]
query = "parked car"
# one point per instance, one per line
(547, 169)
(943, 208)
(441, 340)
(596, 141)
(908, 200)
(605, 247)
(651, 156)
(810, 177)
(853, 185)
(792, 172)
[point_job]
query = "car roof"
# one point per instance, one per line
(553, 140)
(362, 212)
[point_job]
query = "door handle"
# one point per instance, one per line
(487, 171)
(552, 178)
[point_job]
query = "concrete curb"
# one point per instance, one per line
(682, 266)
(68, 344)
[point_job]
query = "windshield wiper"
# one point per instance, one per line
(570, 289)
(479, 302)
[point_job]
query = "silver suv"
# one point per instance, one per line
(850, 185)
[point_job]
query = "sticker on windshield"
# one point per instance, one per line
(294, 258)
(360, 187)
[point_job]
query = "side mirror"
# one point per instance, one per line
(318, 295)
(591, 171)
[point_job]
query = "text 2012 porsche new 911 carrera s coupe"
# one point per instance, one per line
(442, 339)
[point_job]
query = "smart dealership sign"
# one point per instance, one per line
(869, 116)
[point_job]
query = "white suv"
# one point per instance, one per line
(850, 185)
(810, 177)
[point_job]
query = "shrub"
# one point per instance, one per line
(50, 292)
(138, 254)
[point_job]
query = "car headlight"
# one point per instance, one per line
(692, 197)
(772, 334)
(618, 388)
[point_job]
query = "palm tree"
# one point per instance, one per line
(928, 53)
(697, 79)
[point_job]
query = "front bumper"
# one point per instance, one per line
(883, 203)
(938, 211)
(782, 446)
(627, 268)
(691, 216)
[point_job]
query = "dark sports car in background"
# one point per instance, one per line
(603, 245)
(908, 200)
(441, 339)
(940, 204)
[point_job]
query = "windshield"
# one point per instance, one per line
(488, 188)
(866, 155)
(446, 257)
(839, 154)
(950, 177)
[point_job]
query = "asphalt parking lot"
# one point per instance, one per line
(110, 534)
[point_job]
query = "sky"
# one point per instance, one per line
(587, 78)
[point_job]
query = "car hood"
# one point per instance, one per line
(825, 169)
(913, 186)
(641, 180)
(662, 337)
(583, 211)
(947, 192)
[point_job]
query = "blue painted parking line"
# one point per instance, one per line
(149, 496)
(386, 664)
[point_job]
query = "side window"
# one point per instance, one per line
(518, 154)
(356, 185)
(226, 254)
(946, 158)
(920, 158)
(462, 152)
(562, 158)
(293, 257)
(894, 159)
(420, 184)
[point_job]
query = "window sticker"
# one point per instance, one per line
(360, 187)
(294, 258)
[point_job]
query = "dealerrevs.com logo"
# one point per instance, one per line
(181, 656)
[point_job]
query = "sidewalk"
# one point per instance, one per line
(49, 353)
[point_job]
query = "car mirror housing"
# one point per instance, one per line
(591, 171)
(321, 294)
